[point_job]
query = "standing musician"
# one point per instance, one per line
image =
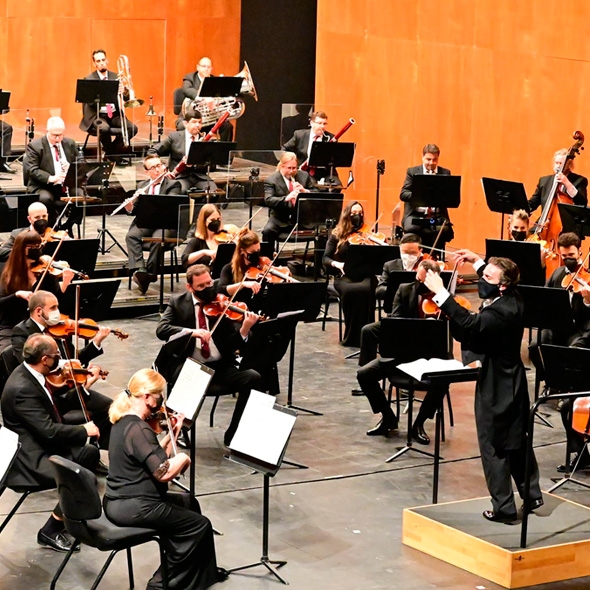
(18, 282)
(407, 304)
(45, 165)
(29, 410)
(177, 146)
(501, 395)
(414, 220)
(43, 314)
(191, 85)
(574, 185)
(157, 184)
(110, 119)
(185, 315)
(280, 196)
(355, 296)
(202, 247)
(140, 467)
(38, 219)
(6, 147)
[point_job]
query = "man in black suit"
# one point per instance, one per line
(280, 196)
(44, 313)
(177, 146)
(29, 410)
(416, 220)
(45, 166)
(407, 304)
(568, 182)
(143, 275)
(5, 147)
(110, 119)
(184, 316)
(501, 395)
(191, 85)
(39, 220)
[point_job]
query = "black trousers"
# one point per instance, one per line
(429, 233)
(111, 127)
(370, 335)
(273, 229)
(134, 242)
(6, 145)
(188, 535)
(198, 181)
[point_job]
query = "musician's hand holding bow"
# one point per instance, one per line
(92, 430)
(254, 285)
(26, 295)
(462, 256)
(203, 335)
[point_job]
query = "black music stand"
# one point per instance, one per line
(4, 108)
(206, 156)
(331, 155)
(18, 206)
(575, 218)
(504, 196)
(80, 254)
(97, 92)
(364, 261)
(526, 255)
(220, 86)
(96, 298)
(160, 212)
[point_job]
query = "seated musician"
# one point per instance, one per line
(5, 147)
(18, 281)
(157, 184)
(202, 247)
(280, 196)
(185, 315)
(355, 296)
(407, 304)
(574, 185)
(426, 221)
(39, 221)
(28, 409)
(43, 314)
(177, 146)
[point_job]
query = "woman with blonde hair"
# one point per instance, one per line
(202, 247)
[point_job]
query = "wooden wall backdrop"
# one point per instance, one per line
(46, 45)
(498, 85)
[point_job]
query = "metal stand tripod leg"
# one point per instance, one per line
(103, 232)
(569, 477)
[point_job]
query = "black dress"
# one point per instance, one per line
(355, 296)
(226, 278)
(135, 498)
(194, 245)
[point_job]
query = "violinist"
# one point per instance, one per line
(18, 282)
(202, 248)
(574, 185)
(140, 467)
(280, 196)
(38, 221)
(185, 315)
(144, 274)
(355, 296)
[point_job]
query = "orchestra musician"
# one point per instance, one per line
(573, 184)
(45, 166)
(191, 85)
(202, 247)
(43, 314)
(280, 196)
(6, 147)
(355, 296)
(407, 304)
(185, 315)
(518, 225)
(157, 184)
(415, 220)
(140, 467)
(38, 219)
(501, 395)
(177, 145)
(110, 119)
(29, 410)
(18, 282)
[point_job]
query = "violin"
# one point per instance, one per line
(578, 281)
(273, 274)
(228, 233)
(70, 374)
(365, 237)
(51, 235)
(158, 420)
(46, 265)
(222, 305)
(431, 309)
(87, 329)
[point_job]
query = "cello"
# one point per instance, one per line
(548, 226)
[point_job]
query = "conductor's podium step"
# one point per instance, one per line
(558, 541)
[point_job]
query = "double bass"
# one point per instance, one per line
(548, 226)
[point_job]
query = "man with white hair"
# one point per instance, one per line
(46, 163)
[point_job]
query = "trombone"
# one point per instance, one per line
(125, 88)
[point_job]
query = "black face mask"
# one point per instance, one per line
(486, 290)
(34, 253)
(357, 220)
(253, 258)
(40, 225)
(206, 295)
(55, 361)
(571, 263)
(214, 225)
(519, 236)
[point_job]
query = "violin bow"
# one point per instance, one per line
(376, 222)
(276, 256)
(231, 300)
(440, 231)
(251, 218)
(63, 212)
(169, 424)
(44, 274)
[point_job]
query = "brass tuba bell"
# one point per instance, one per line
(247, 84)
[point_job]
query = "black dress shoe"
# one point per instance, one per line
(357, 392)
(141, 280)
(5, 167)
(583, 464)
(386, 429)
(419, 435)
(535, 505)
(222, 574)
(493, 517)
(57, 542)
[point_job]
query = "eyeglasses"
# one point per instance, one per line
(154, 166)
(206, 67)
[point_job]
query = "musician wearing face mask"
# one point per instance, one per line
(38, 220)
(280, 196)
(202, 247)
(355, 296)
(185, 316)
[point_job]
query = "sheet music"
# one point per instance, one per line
(190, 388)
(417, 369)
(8, 448)
(264, 430)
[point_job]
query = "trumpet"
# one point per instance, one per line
(125, 88)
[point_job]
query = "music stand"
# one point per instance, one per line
(97, 92)
(96, 298)
(160, 212)
(526, 255)
(331, 155)
(437, 191)
(504, 196)
(575, 218)
(317, 208)
(80, 254)
(4, 108)
(220, 86)
(364, 261)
